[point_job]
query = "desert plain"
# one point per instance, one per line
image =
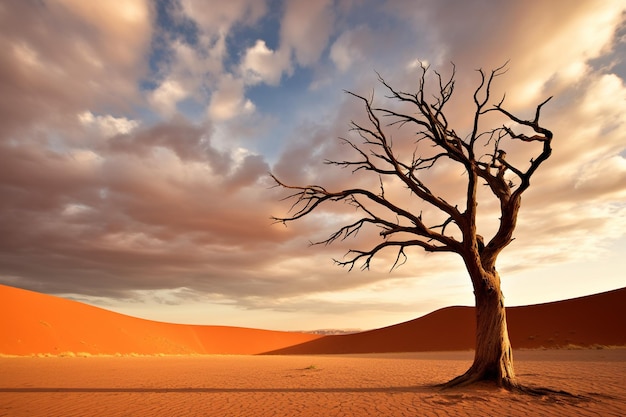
(63, 358)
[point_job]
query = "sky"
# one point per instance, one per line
(136, 138)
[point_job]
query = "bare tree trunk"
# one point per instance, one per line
(493, 358)
(402, 228)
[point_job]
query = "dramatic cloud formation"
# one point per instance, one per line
(136, 138)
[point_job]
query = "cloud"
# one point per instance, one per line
(306, 29)
(63, 57)
(157, 201)
(229, 100)
(249, 170)
(167, 95)
(107, 125)
(195, 67)
(125, 27)
(187, 141)
(260, 64)
(219, 17)
(548, 47)
(186, 72)
(349, 48)
(605, 177)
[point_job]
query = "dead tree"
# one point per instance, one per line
(481, 156)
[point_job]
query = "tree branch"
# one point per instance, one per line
(376, 155)
(410, 180)
(367, 256)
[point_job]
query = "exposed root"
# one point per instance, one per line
(462, 380)
(509, 384)
(502, 377)
(542, 392)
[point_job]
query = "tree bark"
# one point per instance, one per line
(493, 358)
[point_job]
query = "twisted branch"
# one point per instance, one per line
(376, 155)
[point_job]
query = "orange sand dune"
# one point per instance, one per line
(592, 320)
(33, 323)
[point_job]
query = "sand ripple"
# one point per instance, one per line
(342, 385)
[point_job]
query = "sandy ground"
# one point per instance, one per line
(333, 385)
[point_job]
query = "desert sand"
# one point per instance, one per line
(63, 358)
(313, 385)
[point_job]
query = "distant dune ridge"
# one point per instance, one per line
(32, 323)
